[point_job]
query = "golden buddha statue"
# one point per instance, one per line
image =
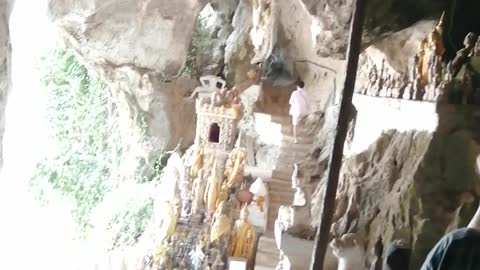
(242, 243)
(198, 191)
(235, 164)
(212, 190)
(222, 223)
(223, 195)
(237, 108)
(161, 257)
(197, 161)
(169, 221)
(431, 47)
(260, 201)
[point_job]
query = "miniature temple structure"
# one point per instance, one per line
(216, 126)
(209, 214)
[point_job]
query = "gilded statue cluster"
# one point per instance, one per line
(203, 221)
(430, 77)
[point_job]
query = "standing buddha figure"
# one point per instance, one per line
(223, 194)
(198, 191)
(234, 168)
(432, 47)
(168, 220)
(242, 243)
(197, 161)
(212, 190)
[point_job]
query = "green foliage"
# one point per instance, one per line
(200, 42)
(83, 131)
(127, 225)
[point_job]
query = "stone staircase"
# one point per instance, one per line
(278, 177)
(267, 253)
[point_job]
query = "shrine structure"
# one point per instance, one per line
(212, 216)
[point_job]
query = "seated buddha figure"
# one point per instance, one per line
(235, 164)
(242, 242)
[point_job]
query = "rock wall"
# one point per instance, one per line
(139, 48)
(415, 182)
(239, 47)
(409, 166)
(5, 65)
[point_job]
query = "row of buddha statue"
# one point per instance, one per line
(430, 78)
(204, 226)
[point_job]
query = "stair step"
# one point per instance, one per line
(289, 157)
(267, 253)
(297, 147)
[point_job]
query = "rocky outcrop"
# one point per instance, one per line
(139, 48)
(393, 54)
(5, 65)
(414, 183)
(239, 48)
(332, 20)
(213, 28)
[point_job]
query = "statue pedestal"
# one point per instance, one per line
(235, 263)
(297, 252)
(300, 215)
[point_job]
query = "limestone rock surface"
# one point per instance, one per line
(150, 34)
(139, 48)
(213, 28)
(414, 185)
(394, 52)
(332, 19)
(5, 65)
(239, 48)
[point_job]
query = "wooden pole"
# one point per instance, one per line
(353, 52)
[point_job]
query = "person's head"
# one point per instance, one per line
(300, 84)
(398, 256)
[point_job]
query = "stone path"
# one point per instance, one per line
(278, 179)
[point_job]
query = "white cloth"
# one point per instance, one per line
(258, 188)
(298, 103)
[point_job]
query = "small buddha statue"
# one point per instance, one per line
(235, 164)
(198, 191)
(299, 198)
(162, 256)
(197, 163)
(242, 243)
(223, 194)
(222, 223)
(168, 221)
(228, 98)
(212, 190)
(218, 97)
(237, 108)
(433, 48)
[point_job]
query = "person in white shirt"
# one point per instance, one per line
(298, 107)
